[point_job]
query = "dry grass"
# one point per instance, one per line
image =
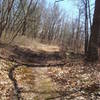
(35, 45)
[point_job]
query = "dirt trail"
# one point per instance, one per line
(23, 83)
(30, 83)
(28, 72)
(29, 75)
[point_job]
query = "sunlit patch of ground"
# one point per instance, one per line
(35, 83)
(35, 45)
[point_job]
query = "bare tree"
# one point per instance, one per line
(94, 41)
(6, 7)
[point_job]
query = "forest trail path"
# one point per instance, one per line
(45, 75)
(26, 74)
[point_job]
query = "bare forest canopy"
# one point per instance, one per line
(35, 19)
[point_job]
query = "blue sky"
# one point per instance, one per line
(70, 6)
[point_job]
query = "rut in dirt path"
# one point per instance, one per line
(15, 84)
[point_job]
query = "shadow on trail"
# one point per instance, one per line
(15, 84)
(26, 56)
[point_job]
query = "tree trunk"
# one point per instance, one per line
(95, 34)
(86, 27)
(0, 30)
(99, 54)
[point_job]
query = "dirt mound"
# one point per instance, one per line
(25, 55)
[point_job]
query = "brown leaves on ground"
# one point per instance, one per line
(77, 79)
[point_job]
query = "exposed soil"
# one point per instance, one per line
(27, 56)
(29, 75)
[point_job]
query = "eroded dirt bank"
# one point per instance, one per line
(29, 75)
